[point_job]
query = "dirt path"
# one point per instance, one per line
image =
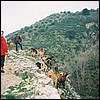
(8, 78)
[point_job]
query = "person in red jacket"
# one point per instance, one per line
(4, 50)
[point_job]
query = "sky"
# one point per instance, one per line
(18, 14)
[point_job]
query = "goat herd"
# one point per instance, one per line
(57, 77)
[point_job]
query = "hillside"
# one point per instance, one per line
(73, 39)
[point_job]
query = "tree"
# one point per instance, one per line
(85, 11)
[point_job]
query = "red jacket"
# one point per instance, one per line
(4, 46)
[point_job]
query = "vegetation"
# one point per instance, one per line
(85, 11)
(73, 39)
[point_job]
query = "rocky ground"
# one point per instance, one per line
(8, 78)
(23, 80)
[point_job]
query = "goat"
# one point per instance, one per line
(41, 52)
(10, 45)
(38, 65)
(44, 67)
(34, 52)
(58, 78)
(48, 60)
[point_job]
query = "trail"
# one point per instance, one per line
(8, 78)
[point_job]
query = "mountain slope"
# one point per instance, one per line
(67, 35)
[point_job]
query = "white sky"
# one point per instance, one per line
(18, 14)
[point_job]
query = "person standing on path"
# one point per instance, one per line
(18, 41)
(4, 51)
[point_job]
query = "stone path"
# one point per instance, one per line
(8, 78)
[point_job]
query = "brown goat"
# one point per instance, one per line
(48, 60)
(44, 67)
(10, 45)
(41, 52)
(44, 57)
(58, 78)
